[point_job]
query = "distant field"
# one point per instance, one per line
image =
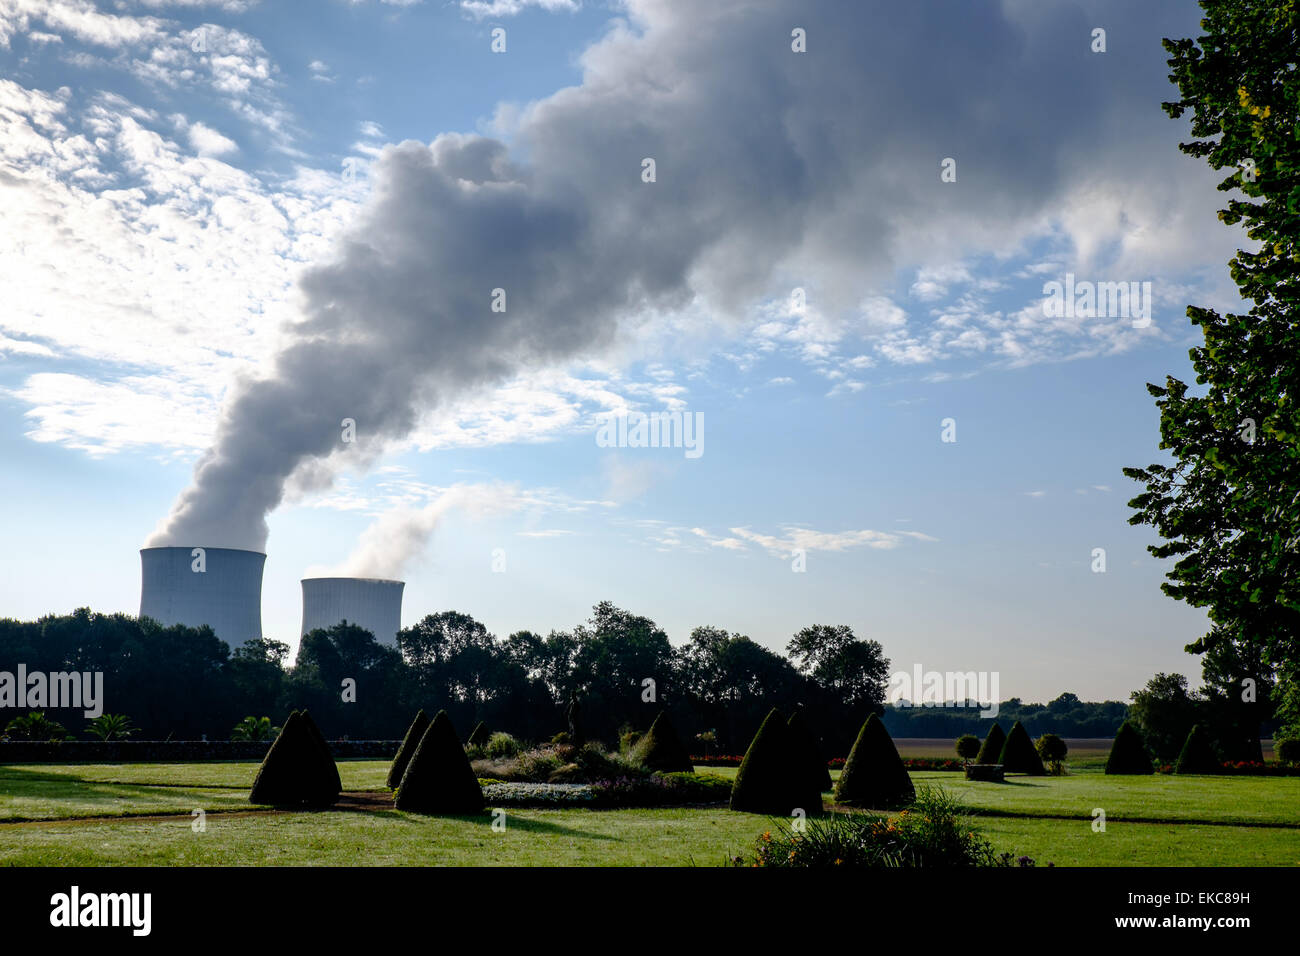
(1080, 747)
(1083, 750)
(1158, 820)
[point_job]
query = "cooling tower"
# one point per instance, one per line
(223, 590)
(372, 603)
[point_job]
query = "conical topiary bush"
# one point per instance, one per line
(991, 750)
(479, 736)
(769, 779)
(404, 753)
(874, 775)
(661, 748)
(296, 772)
(438, 778)
(809, 752)
(324, 748)
(1019, 755)
(1197, 755)
(1128, 753)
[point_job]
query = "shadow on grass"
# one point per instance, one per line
(541, 826)
(513, 822)
(27, 773)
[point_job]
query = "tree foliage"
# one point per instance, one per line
(1164, 712)
(1228, 507)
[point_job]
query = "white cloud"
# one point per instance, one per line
(170, 271)
(208, 142)
(480, 9)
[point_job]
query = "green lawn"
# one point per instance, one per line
(1047, 818)
(57, 791)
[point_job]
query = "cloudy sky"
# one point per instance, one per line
(226, 226)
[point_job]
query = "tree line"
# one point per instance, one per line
(185, 683)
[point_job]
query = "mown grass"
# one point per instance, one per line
(1046, 818)
(664, 837)
(56, 791)
(1159, 797)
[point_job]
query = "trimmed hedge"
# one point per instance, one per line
(479, 736)
(324, 749)
(439, 779)
(769, 779)
(661, 748)
(1128, 754)
(809, 752)
(1198, 754)
(874, 775)
(1019, 755)
(991, 751)
(296, 771)
(404, 753)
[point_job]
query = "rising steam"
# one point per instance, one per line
(774, 169)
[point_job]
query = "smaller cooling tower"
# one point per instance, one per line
(372, 603)
(222, 588)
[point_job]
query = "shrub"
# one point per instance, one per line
(627, 740)
(808, 752)
(479, 736)
(1052, 749)
(531, 766)
(968, 747)
(439, 779)
(661, 789)
(568, 773)
(296, 771)
(874, 775)
(1198, 754)
(991, 751)
(561, 738)
(254, 728)
(1019, 755)
(502, 745)
(1128, 754)
(769, 779)
(661, 748)
(595, 762)
(407, 750)
(932, 832)
(1287, 750)
(110, 726)
(36, 726)
(324, 749)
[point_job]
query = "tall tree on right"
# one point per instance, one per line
(1228, 506)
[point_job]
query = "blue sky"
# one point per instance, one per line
(159, 206)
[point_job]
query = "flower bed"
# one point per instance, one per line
(652, 790)
(538, 794)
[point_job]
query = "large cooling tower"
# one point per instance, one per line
(225, 594)
(372, 603)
